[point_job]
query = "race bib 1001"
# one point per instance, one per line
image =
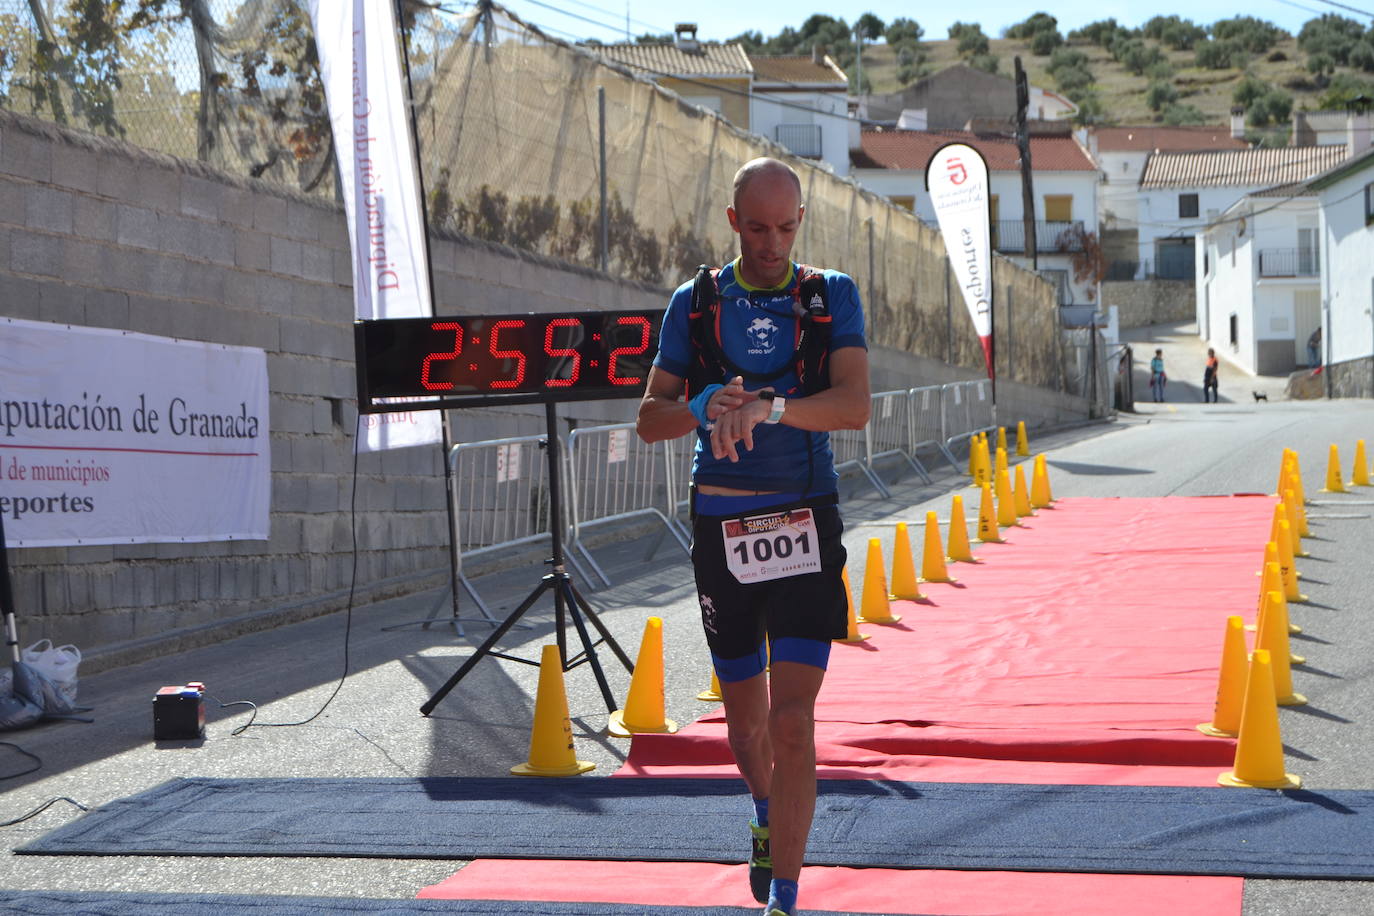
(776, 545)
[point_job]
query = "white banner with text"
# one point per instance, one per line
(113, 437)
(360, 68)
(957, 179)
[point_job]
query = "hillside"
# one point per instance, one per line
(1122, 92)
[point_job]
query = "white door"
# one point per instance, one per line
(1307, 317)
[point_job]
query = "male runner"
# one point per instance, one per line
(766, 545)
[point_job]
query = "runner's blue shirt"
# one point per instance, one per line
(758, 333)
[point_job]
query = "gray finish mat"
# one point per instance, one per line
(1140, 829)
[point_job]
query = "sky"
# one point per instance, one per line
(721, 19)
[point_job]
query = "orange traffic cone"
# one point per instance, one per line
(933, 567)
(1000, 464)
(1360, 478)
(1040, 483)
(711, 694)
(643, 712)
(1285, 468)
(1002, 440)
(904, 568)
(959, 548)
(1006, 503)
(551, 742)
(987, 518)
(1022, 443)
(1230, 684)
(1333, 472)
(874, 606)
(852, 633)
(1259, 749)
(1021, 495)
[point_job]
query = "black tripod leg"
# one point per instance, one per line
(601, 628)
(485, 647)
(589, 650)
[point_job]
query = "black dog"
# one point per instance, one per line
(1260, 396)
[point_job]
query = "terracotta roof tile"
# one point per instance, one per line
(799, 70)
(711, 60)
(912, 149)
(1238, 168)
(1165, 139)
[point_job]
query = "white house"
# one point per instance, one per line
(1345, 199)
(1065, 180)
(802, 103)
(1258, 295)
(1121, 153)
(1180, 193)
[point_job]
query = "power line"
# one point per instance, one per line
(648, 25)
(610, 28)
(1353, 9)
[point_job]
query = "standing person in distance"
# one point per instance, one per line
(1157, 376)
(771, 356)
(1209, 376)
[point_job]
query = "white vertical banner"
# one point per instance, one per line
(957, 180)
(361, 69)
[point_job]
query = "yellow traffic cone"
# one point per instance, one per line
(1296, 474)
(1279, 611)
(551, 742)
(1295, 508)
(1290, 513)
(1273, 635)
(987, 519)
(1333, 471)
(1230, 684)
(933, 567)
(904, 568)
(1021, 495)
(984, 471)
(959, 548)
(1271, 580)
(1000, 464)
(874, 606)
(711, 694)
(1259, 749)
(643, 712)
(972, 458)
(1040, 483)
(1360, 478)
(1285, 468)
(852, 633)
(1049, 490)
(1006, 503)
(1022, 443)
(1002, 438)
(1290, 573)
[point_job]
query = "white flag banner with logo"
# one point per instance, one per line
(112, 437)
(361, 69)
(957, 179)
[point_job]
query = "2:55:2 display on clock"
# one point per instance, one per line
(481, 360)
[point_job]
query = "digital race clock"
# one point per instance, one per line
(484, 360)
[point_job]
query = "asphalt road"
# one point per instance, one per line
(373, 726)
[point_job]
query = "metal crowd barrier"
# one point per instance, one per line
(967, 409)
(891, 430)
(613, 475)
(852, 449)
(927, 422)
(500, 494)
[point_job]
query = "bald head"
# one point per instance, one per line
(765, 171)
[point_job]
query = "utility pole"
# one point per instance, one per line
(1023, 146)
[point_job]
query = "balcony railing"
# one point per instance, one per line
(1288, 262)
(801, 139)
(1050, 235)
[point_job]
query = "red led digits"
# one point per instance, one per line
(441, 356)
(618, 352)
(516, 355)
(551, 350)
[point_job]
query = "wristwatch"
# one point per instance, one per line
(779, 404)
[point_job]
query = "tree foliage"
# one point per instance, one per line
(1254, 35)
(970, 39)
(902, 30)
(1102, 33)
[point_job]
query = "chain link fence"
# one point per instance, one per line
(511, 130)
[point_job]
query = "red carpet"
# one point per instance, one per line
(1083, 650)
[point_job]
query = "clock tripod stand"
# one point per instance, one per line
(568, 602)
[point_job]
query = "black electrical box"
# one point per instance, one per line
(179, 713)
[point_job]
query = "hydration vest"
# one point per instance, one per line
(710, 364)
